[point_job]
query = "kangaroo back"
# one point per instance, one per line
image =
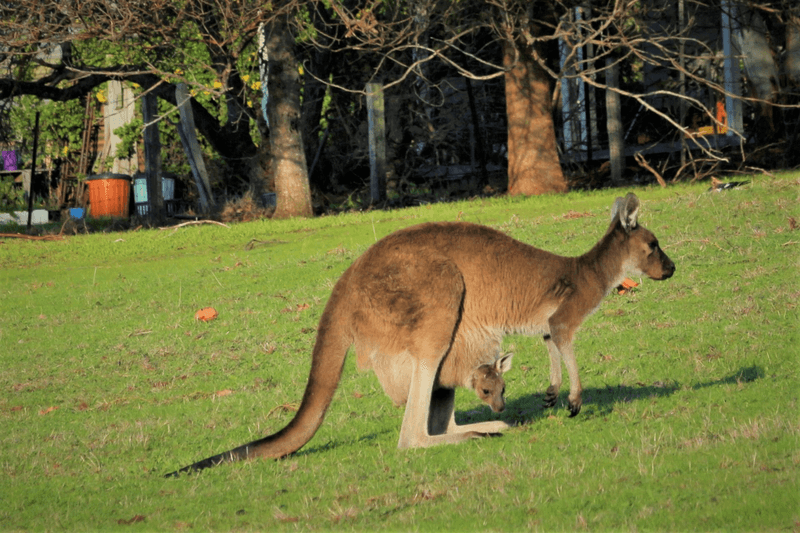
(327, 361)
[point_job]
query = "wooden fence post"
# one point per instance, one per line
(377, 142)
(188, 136)
(152, 156)
(33, 168)
(616, 143)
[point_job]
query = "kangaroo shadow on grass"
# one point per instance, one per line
(335, 443)
(597, 401)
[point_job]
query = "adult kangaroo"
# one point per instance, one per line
(426, 305)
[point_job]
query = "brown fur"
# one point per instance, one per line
(488, 383)
(426, 305)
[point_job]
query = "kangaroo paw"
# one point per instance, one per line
(574, 407)
(551, 396)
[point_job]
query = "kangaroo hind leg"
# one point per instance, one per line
(442, 418)
(442, 409)
(428, 411)
(428, 419)
(439, 291)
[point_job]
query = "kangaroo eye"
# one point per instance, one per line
(486, 392)
(654, 245)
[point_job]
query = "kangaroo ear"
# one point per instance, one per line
(616, 208)
(627, 209)
(503, 364)
(473, 380)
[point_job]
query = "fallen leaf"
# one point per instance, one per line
(626, 285)
(135, 519)
(48, 410)
(223, 393)
(205, 314)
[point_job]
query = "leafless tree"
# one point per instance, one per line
(708, 81)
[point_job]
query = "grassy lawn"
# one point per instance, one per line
(690, 419)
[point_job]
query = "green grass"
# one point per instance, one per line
(690, 419)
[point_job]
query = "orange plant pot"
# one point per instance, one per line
(109, 195)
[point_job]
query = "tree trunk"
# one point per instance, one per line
(288, 158)
(533, 165)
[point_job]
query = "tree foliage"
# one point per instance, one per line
(669, 56)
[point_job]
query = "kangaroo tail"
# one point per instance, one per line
(326, 370)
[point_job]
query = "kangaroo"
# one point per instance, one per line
(426, 303)
(488, 383)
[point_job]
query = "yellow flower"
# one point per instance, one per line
(193, 92)
(300, 69)
(65, 150)
(246, 78)
(217, 84)
(249, 103)
(101, 97)
(256, 86)
(178, 71)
